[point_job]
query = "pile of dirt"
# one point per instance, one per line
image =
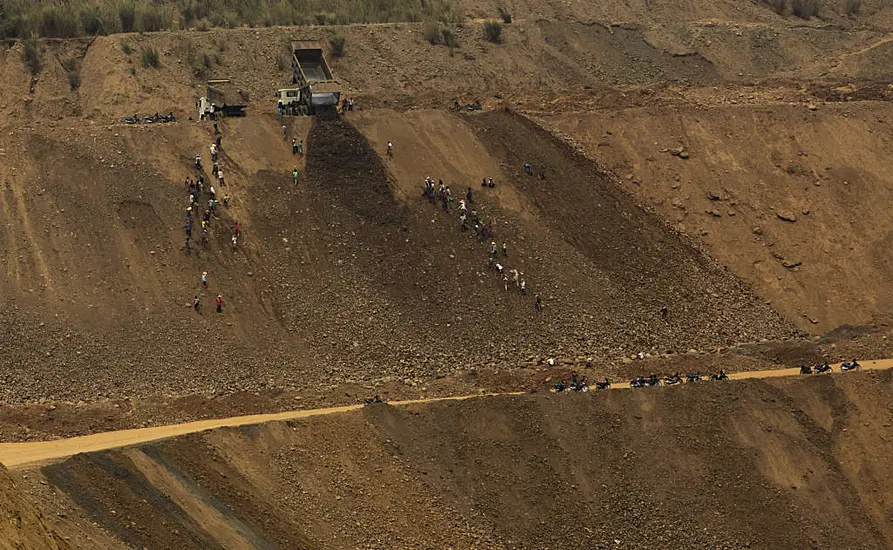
(746, 464)
(341, 162)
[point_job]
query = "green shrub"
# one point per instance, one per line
(199, 63)
(449, 38)
(125, 47)
(431, 31)
(804, 9)
(321, 17)
(58, 20)
(96, 19)
(493, 31)
(150, 57)
(778, 6)
(203, 25)
(506, 16)
(65, 18)
(853, 7)
(446, 12)
(336, 42)
(31, 57)
(74, 79)
(127, 15)
(151, 18)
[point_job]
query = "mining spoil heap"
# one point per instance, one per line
(708, 190)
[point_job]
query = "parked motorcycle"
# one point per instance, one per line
(847, 366)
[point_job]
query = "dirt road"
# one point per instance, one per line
(18, 455)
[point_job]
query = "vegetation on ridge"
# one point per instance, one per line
(68, 19)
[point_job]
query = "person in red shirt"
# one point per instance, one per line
(219, 303)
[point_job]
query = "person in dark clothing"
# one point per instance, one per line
(196, 303)
(219, 303)
(468, 196)
(539, 303)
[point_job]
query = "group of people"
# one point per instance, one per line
(528, 169)
(470, 220)
(196, 189)
(203, 205)
(197, 302)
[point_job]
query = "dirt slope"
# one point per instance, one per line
(22, 526)
(349, 276)
(748, 166)
(744, 464)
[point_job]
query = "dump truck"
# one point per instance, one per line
(213, 103)
(316, 88)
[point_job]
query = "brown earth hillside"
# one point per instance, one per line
(98, 287)
(825, 170)
(750, 464)
(338, 278)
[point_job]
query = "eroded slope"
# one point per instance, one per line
(747, 464)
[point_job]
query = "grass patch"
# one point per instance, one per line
(853, 7)
(69, 18)
(804, 9)
(795, 169)
(493, 31)
(336, 43)
(72, 68)
(150, 57)
(31, 57)
(431, 31)
(449, 38)
(778, 6)
(505, 16)
(125, 47)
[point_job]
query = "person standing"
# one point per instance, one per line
(219, 303)
(204, 279)
(195, 303)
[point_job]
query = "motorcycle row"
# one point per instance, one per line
(653, 380)
(149, 119)
(820, 368)
(640, 382)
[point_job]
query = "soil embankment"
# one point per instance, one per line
(746, 464)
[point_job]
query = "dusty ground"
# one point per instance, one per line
(363, 282)
(22, 525)
(713, 158)
(743, 464)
